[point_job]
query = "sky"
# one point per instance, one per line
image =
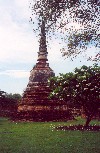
(19, 46)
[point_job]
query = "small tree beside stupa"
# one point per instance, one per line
(80, 89)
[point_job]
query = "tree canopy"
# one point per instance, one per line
(57, 14)
(8, 100)
(2, 96)
(50, 10)
(79, 89)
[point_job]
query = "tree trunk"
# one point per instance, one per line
(88, 121)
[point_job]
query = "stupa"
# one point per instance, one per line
(35, 104)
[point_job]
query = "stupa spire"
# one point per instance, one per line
(42, 54)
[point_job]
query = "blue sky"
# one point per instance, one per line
(19, 47)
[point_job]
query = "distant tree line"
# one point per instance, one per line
(8, 103)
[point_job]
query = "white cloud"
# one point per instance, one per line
(17, 42)
(16, 73)
(54, 54)
(16, 45)
(91, 51)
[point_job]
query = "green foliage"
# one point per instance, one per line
(79, 89)
(87, 14)
(2, 95)
(58, 13)
(50, 10)
(15, 96)
(62, 90)
(8, 103)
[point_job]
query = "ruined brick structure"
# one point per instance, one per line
(35, 104)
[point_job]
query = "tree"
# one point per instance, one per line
(12, 100)
(79, 89)
(2, 97)
(8, 103)
(15, 96)
(87, 91)
(50, 10)
(2, 94)
(87, 14)
(62, 87)
(58, 13)
(4, 103)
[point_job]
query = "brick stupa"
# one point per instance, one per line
(35, 104)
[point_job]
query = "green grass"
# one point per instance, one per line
(36, 137)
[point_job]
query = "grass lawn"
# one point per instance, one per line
(36, 137)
